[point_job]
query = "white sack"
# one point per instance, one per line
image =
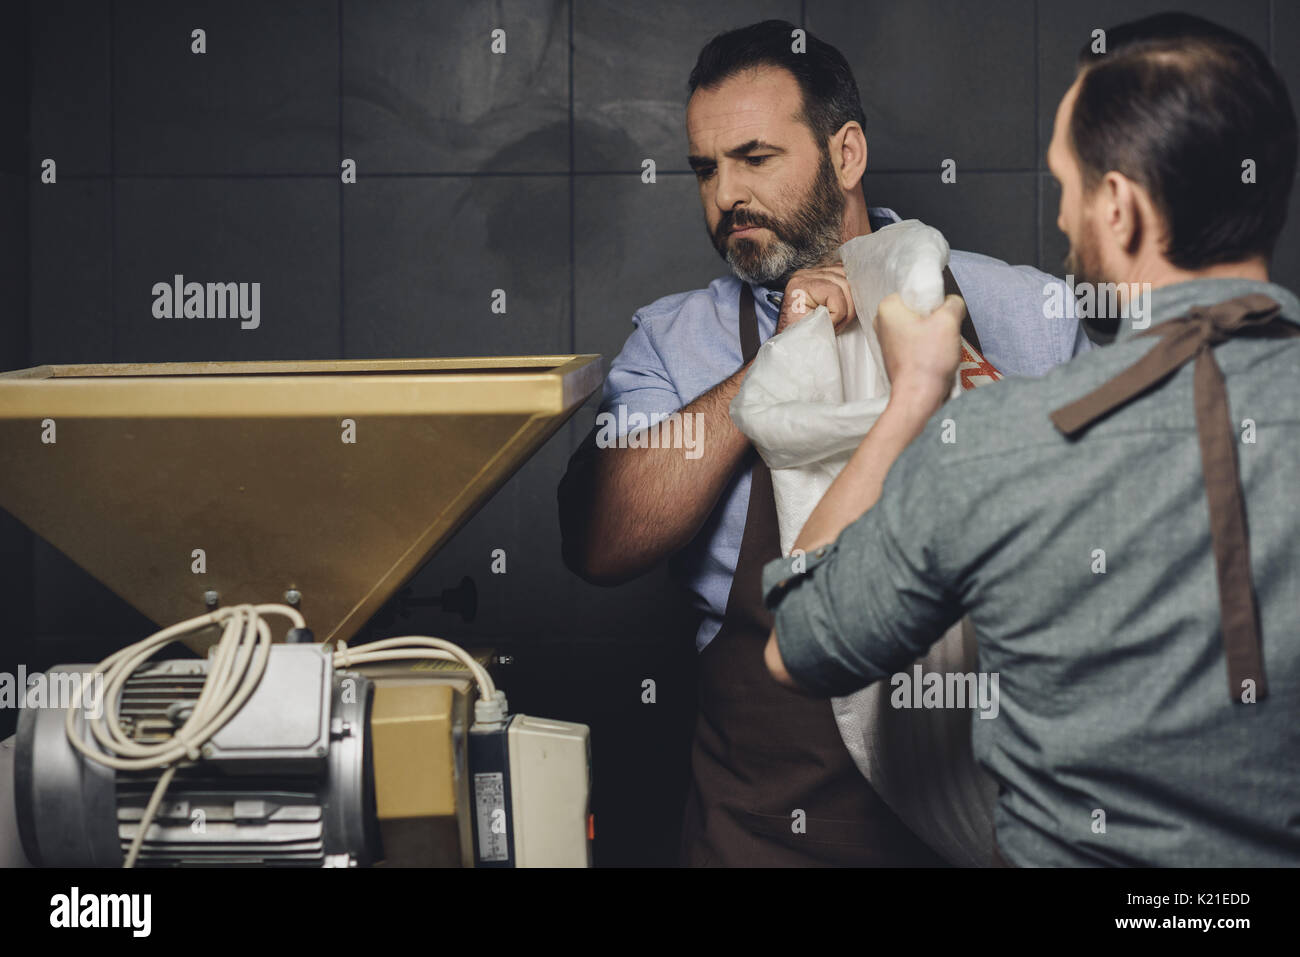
(807, 402)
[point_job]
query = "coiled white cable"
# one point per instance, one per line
(237, 663)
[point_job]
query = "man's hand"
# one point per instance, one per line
(921, 353)
(819, 286)
(776, 664)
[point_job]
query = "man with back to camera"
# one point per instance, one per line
(776, 141)
(1128, 520)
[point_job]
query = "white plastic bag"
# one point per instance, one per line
(811, 395)
(806, 404)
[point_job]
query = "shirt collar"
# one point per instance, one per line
(1177, 299)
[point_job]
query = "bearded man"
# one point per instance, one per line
(776, 140)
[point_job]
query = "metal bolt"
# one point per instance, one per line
(208, 751)
(210, 598)
(292, 597)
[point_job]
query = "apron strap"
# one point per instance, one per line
(761, 541)
(1181, 340)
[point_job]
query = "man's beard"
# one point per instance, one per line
(1083, 262)
(809, 237)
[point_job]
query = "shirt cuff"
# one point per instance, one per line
(781, 574)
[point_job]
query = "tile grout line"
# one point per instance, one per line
(112, 181)
(573, 225)
(1038, 141)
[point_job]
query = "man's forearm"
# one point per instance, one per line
(647, 503)
(857, 488)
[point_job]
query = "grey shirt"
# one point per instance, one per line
(1087, 571)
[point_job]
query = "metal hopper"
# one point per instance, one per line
(334, 479)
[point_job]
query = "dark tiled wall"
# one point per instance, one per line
(16, 542)
(478, 172)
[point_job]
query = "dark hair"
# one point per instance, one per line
(830, 94)
(1177, 104)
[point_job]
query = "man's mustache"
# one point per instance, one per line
(726, 225)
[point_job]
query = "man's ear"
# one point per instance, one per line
(1126, 212)
(848, 150)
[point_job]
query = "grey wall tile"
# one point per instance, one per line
(939, 78)
(635, 242)
(1053, 245)
(15, 540)
(630, 66)
(1286, 56)
(988, 213)
(13, 271)
(262, 99)
(282, 233)
(1286, 45)
(423, 91)
(423, 255)
(71, 272)
(70, 90)
(15, 41)
(1063, 28)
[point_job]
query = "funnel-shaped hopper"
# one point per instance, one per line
(334, 479)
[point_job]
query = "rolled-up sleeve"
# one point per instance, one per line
(872, 602)
(638, 380)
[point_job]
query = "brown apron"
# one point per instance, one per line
(773, 784)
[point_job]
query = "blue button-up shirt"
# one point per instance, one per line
(685, 344)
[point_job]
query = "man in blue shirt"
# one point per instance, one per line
(777, 144)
